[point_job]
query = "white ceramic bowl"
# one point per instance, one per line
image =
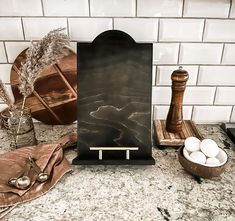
(222, 157)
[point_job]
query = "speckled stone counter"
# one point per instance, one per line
(161, 192)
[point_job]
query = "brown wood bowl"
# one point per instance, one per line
(54, 100)
(198, 169)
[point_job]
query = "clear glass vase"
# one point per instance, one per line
(20, 127)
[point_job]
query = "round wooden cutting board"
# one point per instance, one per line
(54, 100)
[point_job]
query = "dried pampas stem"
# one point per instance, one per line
(46, 52)
(5, 96)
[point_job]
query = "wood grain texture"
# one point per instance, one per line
(165, 138)
(55, 96)
(114, 98)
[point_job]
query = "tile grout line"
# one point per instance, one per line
(194, 86)
(182, 14)
(153, 114)
(230, 8)
(158, 30)
(22, 25)
(191, 105)
(156, 76)
(135, 8)
(68, 31)
(198, 72)
(215, 96)
(144, 17)
(222, 53)
(203, 31)
(164, 42)
(194, 105)
(113, 23)
(42, 5)
(89, 6)
(192, 112)
(5, 49)
(231, 114)
(179, 49)
(194, 64)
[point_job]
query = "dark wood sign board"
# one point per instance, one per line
(114, 100)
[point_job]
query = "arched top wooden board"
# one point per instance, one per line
(54, 100)
(114, 105)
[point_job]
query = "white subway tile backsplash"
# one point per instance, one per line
(233, 116)
(3, 58)
(86, 29)
(5, 71)
(11, 29)
(217, 75)
(36, 28)
(225, 96)
(164, 74)
(200, 53)
(165, 53)
(160, 112)
(219, 30)
(216, 114)
(149, 28)
(192, 95)
(159, 8)
(181, 29)
(20, 8)
(115, 8)
(229, 54)
(66, 8)
(196, 34)
(206, 8)
(14, 49)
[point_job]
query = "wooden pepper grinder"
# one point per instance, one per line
(174, 118)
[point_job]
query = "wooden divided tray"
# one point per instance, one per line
(54, 100)
(164, 138)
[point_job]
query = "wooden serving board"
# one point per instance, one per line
(165, 138)
(54, 100)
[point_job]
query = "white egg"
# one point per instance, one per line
(192, 144)
(209, 148)
(198, 157)
(212, 161)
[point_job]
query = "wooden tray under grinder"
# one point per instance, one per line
(164, 138)
(54, 100)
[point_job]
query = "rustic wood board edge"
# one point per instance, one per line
(166, 139)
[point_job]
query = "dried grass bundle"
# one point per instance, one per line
(45, 52)
(5, 97)
(39, 55)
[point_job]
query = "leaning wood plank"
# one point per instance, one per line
(47, 107)
(57, 68)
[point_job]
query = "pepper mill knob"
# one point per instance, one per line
(174, 118)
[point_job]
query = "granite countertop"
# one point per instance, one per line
(161, 192)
